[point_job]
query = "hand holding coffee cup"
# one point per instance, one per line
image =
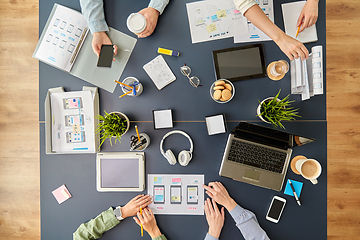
(309, 168)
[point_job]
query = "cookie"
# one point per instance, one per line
(221, 99)
(219, 87)
(228, 86)
(219, 83)
(226, 94)
(217, 94)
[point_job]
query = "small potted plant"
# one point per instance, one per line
(112, 125)
(273, 110)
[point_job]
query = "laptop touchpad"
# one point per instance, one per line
(252, 175)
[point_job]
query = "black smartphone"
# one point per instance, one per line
(106, 56)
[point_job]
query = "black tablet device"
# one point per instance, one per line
(240, 63)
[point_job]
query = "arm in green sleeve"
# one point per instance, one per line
(95, 228)
(161, 237)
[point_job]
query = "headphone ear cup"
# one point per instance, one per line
(170, 157)
(184, 158)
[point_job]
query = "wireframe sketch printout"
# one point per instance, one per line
(214, 19)
(180, 194)
(254, 34)
(159, 72)
(72, 122)
(62, 37)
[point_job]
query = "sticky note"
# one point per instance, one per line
(158, 180)
(76, 128)
(176, 181)
(221, 13)
(175, 198)
(61, 194)
(297, 185)
(211, 28)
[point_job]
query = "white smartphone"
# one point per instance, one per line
(276, 208)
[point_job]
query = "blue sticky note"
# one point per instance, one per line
(159, 198)
(158, 180)
(297, 185)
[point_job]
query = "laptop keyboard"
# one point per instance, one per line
(257, 156)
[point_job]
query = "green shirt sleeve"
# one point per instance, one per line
(95, 228)
(161, 237)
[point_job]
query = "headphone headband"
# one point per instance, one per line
(173, 132)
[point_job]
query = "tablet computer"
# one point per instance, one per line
(240, 63)
(120, 172)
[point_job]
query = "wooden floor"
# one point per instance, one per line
(19, 125)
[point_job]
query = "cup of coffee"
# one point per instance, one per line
(309, 169)
(136, 23)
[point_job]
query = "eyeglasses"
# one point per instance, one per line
(194, 81)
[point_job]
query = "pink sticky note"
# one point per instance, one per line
(236, 11)
(176, 181)
(61, 194)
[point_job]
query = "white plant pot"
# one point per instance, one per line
(123, 116)
(259, 107)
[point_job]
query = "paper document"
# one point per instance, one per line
(254, 34)
(159, 72)
(62, 37)
(214, 19)
(72, 121)
(291, 12)
(180, 194)
(307, 75)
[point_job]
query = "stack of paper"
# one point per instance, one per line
(307, 75)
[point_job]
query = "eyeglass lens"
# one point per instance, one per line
(194, 81)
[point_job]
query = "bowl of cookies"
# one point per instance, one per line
(222, 91)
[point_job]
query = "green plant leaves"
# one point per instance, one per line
(110, 125)
(276, 110)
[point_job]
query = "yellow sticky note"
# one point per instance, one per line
(210, 28)
(221, 13)
(155, 179)
(76, 128)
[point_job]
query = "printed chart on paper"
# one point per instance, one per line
(214, 19)
(180, 194)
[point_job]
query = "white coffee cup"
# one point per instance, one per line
(309, 168)
(136, 23)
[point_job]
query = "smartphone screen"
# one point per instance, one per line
(159, 194)
(72, 103)
(175, 194)
(74, 119)
(75, 137)
(192, 194)
(276, 209)
(106, 56)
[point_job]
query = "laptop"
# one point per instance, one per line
(259, 155)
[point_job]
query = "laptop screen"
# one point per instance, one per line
(269, 136)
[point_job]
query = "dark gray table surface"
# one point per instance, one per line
(188, 104)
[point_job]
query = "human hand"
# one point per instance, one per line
(214, 218)
(308, 15)
(147, 219)
(99, 39)
(218, 192)
(133, 206)
(151, 15)
(292, 47)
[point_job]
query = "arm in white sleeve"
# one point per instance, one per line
(93, 12)
(248, 225)
(159, 5)
(244, 5)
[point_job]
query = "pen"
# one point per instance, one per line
(142, 231)
(297, 32)
(137, 133)
(123, 84)
(295, 195)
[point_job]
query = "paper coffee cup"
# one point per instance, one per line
(136, 23)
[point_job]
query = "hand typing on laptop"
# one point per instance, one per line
(244, 219)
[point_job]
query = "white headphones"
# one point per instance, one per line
(184, 156)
